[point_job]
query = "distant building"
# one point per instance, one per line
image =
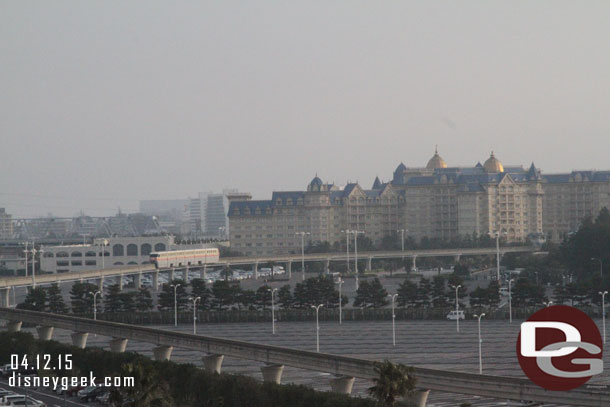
(6, 224)
(208, 214)
(435, 202)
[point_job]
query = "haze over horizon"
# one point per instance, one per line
(108, 103)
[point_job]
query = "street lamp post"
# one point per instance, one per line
(25, 251)
(303, 251)
(457, 306)
(175, 287)
(356, 233)
(510, 300)
(33, 266)
(603, 294)
(498, 255)
(317, 308)
(402, 235)
(272, 291)
(94, 294)
(393, 297)
(340, 282)
(480, 342)
(601, 267)
(347, 232)
(194, 313)
(103, 243)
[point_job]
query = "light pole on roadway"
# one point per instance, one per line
(272, 291)
(347, 232)
(340, 282)
(175, 287)
(510, 300)
(317, 308)
(302, 234)
(393, 297)
(480, 342)
(194, 313)
(94, 294)
(603, 294)
(457, 306)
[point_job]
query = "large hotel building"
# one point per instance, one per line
(435, 201)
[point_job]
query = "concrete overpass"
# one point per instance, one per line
(274, 358)
(138, 270)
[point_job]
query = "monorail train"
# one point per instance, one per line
(178, 258)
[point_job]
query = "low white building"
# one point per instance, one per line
(105, 253)
(13, 265)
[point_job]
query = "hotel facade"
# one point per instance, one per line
(435, 201)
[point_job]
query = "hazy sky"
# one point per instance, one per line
(104, 103)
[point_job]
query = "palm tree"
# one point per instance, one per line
(394, 381)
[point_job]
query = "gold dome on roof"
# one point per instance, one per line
(436, 161)
(493, 164)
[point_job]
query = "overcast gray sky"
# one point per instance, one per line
(104, 103)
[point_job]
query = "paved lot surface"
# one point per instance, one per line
(434, 344)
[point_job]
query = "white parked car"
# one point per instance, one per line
(454, 315)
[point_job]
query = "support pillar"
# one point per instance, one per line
(79, 339)
(256, 270)
(5, 297)
(155, 280)
(137, 280)
(45, 333)
(289, 269)
(120, 282)
(118, 345)
(327, 266)
(457, 258)
(162, 352)
(369, 264)
(272, 373)
(185, 275)
(171, 275)
(100, 284)
(14, 326)
(418, 399)
(203, 272)
(213, 363)
(342, 384)
(414, 263)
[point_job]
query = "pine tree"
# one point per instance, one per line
(166, 296)
(35, 300)
(199, 289)
(439, 293)
(127, 302)
(56, 300)
(112, 299)
(81, 298)
(143, 300)
(407, 293)
(284, 296)
(423, 293)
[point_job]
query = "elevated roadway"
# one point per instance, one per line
(255, 261)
